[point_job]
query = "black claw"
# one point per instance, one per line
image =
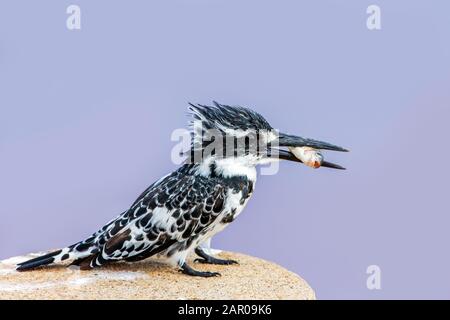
(216, 261)
(207, 259)
(205, 274)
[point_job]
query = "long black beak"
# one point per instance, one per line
(286, 140)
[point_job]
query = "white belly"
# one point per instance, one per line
(232, 203)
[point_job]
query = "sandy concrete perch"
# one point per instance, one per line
(253, 278)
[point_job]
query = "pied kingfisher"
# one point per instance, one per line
(173, 216)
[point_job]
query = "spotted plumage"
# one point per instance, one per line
(173, 216)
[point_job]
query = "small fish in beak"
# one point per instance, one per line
(309, 156)
(305, 151)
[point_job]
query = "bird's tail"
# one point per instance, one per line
(52, 257)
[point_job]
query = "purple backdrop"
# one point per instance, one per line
(86, 117)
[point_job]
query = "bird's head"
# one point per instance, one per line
(237, 137)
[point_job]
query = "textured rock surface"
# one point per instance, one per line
(253, 278)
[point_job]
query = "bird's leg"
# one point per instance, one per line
(210, 259)
(186, 269)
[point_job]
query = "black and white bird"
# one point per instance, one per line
(174, 215)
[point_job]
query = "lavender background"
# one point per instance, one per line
(86, 118)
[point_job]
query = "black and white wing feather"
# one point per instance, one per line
(170, 215)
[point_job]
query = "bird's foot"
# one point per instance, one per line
(186, 269)
(207, 259)
(212, 260)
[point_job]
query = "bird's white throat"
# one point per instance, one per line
(229, 167)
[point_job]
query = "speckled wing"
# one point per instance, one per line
(173, 212)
